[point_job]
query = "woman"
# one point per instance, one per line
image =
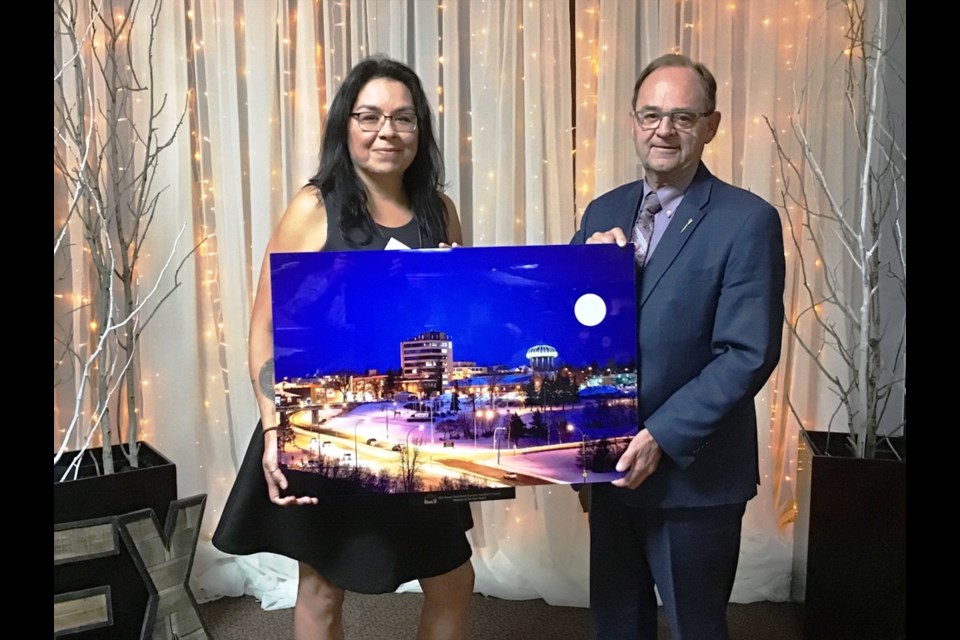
(378, 183)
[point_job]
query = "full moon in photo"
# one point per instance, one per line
(590, 309)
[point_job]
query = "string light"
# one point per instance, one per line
(581, 151)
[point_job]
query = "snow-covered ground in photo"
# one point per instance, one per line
(387, 423)
(388, 420)
(557, 465)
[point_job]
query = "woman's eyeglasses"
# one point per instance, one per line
(371, 121)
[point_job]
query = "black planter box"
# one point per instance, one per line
(849, 561)
(152, 485)
(79, 503)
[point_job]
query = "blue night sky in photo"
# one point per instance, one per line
(348, 312)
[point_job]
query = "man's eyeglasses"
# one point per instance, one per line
(371, 121)
(650, 119)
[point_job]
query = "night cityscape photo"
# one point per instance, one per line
(454, 373)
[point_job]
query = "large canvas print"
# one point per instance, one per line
(453, 374)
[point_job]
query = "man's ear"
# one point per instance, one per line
(713, 125)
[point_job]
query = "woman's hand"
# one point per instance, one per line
(303, 227)
(276, 481)
(444, 245)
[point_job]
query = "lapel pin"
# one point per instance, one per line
(686, 225)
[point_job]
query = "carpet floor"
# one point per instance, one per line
(394, 617)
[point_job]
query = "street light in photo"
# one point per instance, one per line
(386, 416)
(411, 430)
(497, 440)
(583, 446)
(487, 415)
(356, 446)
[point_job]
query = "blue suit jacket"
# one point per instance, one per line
(710, 318)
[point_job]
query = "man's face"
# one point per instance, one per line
(669, 154)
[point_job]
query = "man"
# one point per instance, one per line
(710, 313)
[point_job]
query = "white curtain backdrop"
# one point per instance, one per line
(532, 99)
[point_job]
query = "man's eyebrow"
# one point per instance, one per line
(658, 110)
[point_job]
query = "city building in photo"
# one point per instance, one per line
(427, 359)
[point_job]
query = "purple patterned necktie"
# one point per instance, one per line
(643, 230)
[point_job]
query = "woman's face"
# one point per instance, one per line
(388, 151)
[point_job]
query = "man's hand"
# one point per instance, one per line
(276, 481)
(639, 460)
(613, 236)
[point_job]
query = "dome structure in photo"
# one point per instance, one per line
(542, 357)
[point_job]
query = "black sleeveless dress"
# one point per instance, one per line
(369, 545)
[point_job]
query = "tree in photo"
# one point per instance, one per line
(515, 429)
(602, 454)
(532, 393)
(285, 432)
(537, 428)
(390, 383)
(410, 464)
(450, 429)
(455, 399)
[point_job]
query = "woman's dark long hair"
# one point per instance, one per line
(422, 179)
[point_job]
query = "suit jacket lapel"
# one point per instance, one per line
(627, 216)
(682, 227)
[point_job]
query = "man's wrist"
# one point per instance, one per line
(649, 437)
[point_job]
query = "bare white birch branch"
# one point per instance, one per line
(868, 232)
(107, 153)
